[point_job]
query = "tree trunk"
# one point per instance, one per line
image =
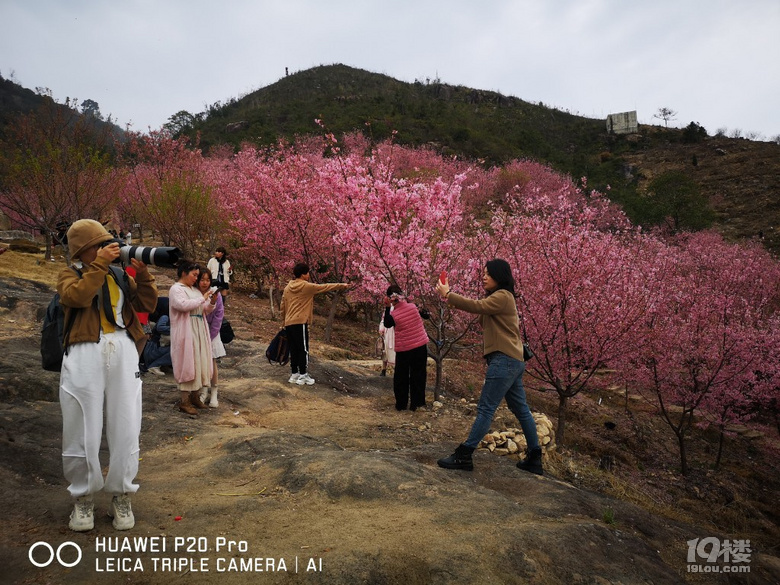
(560, 431)
(271, 299)
(49, 253)
(628, 408)
(721, 440)
(439, 376)
(683, 454)
(332, 316)
(369, 320)
(258, 286)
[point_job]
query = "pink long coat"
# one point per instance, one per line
(182, 343)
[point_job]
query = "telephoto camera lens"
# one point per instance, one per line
(164, 257)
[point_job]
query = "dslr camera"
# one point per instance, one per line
(164, 257)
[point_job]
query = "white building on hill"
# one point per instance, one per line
(623, 123)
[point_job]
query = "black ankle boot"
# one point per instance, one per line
(532, 462)
(461, 459)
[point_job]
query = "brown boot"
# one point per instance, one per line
(185, 405)
(196, 401)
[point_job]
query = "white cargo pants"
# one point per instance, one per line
(95, 376)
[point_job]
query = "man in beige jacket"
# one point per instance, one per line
(298, 313)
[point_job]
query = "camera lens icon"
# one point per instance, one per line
(53, 554)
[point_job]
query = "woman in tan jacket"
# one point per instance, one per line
(100, 375)
(503, 350)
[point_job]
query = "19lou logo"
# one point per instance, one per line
(42, 554)
(729, 556)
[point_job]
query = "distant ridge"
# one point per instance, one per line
(16, 100)
(479, 124)
(740, 178)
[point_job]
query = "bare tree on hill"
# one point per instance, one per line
(666, 114)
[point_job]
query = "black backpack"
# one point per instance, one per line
(226, 333)
(55, 331)
(278, 351)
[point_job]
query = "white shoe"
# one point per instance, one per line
(304, 379)
(156, 370)
(82, 518)
(122, 512)
(214, 403)
(204, 393)
(294, 378)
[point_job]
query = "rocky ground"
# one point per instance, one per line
(309, 484)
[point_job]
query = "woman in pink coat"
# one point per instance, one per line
(190, 339)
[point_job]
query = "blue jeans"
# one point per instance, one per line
(156, 355)
(504, 379)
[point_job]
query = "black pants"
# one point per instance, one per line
(410, 377)
(298, 338)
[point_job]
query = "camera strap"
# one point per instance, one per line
(104, 296)
(104, 300)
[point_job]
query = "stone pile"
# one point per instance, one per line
(511, 441)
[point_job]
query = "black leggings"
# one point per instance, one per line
(410, 377)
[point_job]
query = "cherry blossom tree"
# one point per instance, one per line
(57, 167)
(704, 336)
(766, 395)
(593, 291)
(352, 219)
(278, 208)
(174, 190)
(404, 232)
(582, 292)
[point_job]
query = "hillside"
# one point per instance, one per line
(739, 177)
(478, 124)
(16, 100)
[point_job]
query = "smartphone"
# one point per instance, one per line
(213, 289)
(443, 277)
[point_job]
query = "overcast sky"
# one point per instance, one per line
(715, 62)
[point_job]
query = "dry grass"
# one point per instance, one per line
(30, 267)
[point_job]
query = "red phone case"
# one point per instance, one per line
(443, 276)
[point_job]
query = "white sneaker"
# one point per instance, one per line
(294, 378)
(304, 379)
(82, 518)
(156, 370)
(121, 512)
